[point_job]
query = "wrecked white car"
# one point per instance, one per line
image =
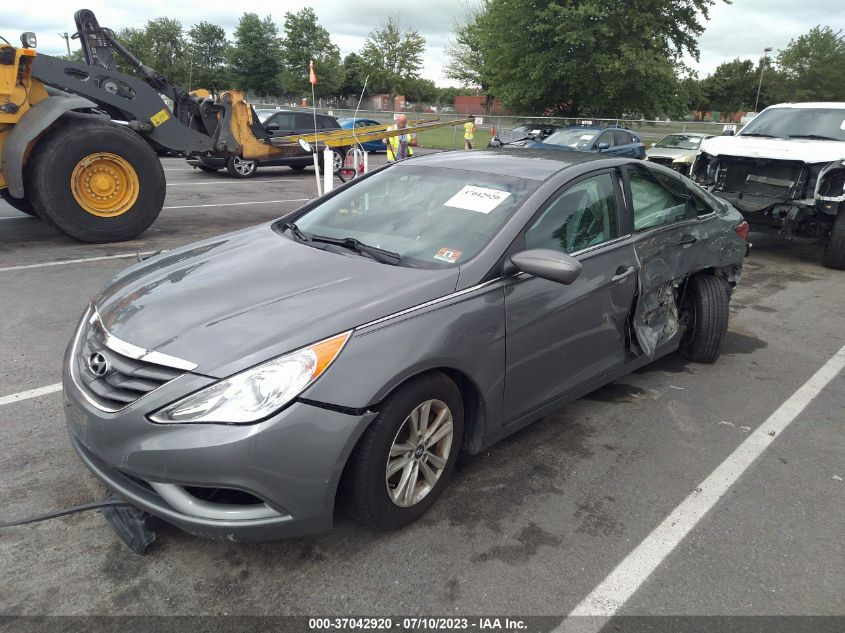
(784, 171)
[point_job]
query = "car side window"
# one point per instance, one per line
(605, 137)
(621, 138)
(327, 123)
(282, 121)
(581, 216)
(703, 205)
(656, 199)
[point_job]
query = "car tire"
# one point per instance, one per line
(377, 498)
(834, 250)
(705, 307)
(207, 169)
(297, 167)
(338, 156)
(61, 164)
(240, 168)
(20, 204)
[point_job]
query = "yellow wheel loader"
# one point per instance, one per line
(64, 159)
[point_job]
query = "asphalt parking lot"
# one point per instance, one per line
(530, 527)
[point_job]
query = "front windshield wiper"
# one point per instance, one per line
(297, 233)
(379, 254)
(817, 137)
(760, 134)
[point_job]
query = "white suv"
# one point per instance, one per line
(785, 171)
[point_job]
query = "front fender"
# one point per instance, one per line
(37, 119)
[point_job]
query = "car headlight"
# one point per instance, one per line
(683, 160)
(258, 392)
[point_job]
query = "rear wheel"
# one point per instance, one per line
(705, 309)
(96, 181)
(338, 156)
(21, 204)
(240, 168)
(404, 460)
(834, 250)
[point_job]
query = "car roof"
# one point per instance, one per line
(527, 163)
(830, 105)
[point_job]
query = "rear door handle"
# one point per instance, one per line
(622, 273)
(688, 239)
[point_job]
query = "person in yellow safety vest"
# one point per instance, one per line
(469, 134)
(399, 147)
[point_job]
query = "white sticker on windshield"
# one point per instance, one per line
(587, 137)
(478, 199)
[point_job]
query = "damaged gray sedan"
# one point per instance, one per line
(242, 386)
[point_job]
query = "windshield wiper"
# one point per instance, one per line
(760, 134)
(817, 137)
(379, 254)
(297, 233)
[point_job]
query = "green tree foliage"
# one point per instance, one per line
(467, 62)
(353, 82)
(812, 67)
(420, 91)
(591, 56)
(393, 56)
(255, 55)
(732, 87)
(306, 40)
(207, 52)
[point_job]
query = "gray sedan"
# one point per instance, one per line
(239, 386)
(676, 151)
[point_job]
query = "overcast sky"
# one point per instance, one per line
(741, 29)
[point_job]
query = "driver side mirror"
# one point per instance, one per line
(548, 264)
(604, 146)
(272, 128)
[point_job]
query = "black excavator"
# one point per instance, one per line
(66, 158)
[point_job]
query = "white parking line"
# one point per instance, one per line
(65, 262)
(225, 181)
(236, 204)
(629, 575)
(31, 393)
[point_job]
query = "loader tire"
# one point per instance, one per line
(96, 181)
(21, 204)
(834, 250)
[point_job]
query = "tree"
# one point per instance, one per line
(392, 56)
(421, 91)
(207, 50)
(255, 54)
(732, 87)
(589, 57)
(467, 62)
(813, 67)
(305, 40)
(353, 82)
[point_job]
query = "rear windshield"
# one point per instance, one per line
(819, 123)
(432, 217)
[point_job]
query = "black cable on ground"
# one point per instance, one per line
(94, 505)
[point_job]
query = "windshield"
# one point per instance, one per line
(680, 141)
(263, 115)
(432, 217)
(578, 139)
(799, 122)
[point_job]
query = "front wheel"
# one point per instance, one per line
(96, 181)
(404, 460)
(834, 250)
(240, 168)
(705, 310)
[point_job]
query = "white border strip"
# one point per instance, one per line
(629, 575)
(31, 393)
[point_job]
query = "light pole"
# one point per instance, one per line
(768, 49)
(66, 38)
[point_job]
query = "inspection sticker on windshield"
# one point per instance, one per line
(478, 199)
(447, 255)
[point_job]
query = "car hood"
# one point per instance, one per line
(669, 152)
(234, 301)
(805, 150)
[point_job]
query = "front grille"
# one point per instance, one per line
(127, 377)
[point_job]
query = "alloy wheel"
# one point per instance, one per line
(243, 167)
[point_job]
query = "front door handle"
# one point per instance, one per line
(688, 239)
(622, 273)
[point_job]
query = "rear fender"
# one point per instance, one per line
(37, 119)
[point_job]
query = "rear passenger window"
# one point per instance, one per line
(581, 216)
(655, 203)
(305, 122)
(283, 121)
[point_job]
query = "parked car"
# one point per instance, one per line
(676, 151)
(614, 141)
(530, 131)
(369, 146)
(785, 171)
(276, 123)
(237, 387)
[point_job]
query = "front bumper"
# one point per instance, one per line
(291, 462)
